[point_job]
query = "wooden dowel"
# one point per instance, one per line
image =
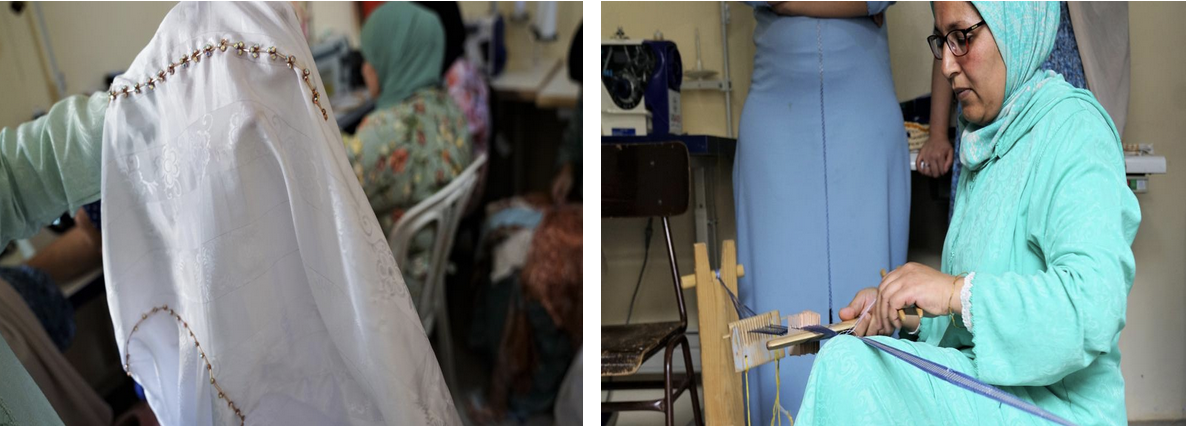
(807, 336)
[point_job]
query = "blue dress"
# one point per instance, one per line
(821, 179)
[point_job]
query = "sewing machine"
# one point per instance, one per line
(640, 87)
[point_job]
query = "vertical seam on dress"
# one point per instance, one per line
(824, 136)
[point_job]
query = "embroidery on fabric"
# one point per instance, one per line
(201, 352)
(240, 48)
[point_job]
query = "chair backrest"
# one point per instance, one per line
(644, 179)
(443, 209)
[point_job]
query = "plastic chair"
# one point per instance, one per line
(443, 209)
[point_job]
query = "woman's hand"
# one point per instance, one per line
(935, 157)
(869, 325)
(918, 285)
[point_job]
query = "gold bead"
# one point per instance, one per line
(135, 327)
(137, 88)
(220, 395)
(143, 316)
(211, 380)
(324, 116)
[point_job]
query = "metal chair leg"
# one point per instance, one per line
(668, 392)
(691, 375)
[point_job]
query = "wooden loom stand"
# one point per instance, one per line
(723, 403)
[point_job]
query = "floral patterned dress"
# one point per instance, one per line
(404, 154)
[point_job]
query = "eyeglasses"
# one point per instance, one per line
(957, 41)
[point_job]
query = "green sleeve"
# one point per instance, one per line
(50, 165)
(21, 401)
(1034, 330)
(570, 146)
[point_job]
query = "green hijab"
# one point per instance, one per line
(406, 44)
(1024, 32)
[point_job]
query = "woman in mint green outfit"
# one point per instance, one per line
(1042, 229)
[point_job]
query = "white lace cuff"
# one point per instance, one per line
(966, 301)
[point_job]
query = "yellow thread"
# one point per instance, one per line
(745, 362)
(777, 398)
(777, 391)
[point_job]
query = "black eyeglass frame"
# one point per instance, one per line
(937, 50)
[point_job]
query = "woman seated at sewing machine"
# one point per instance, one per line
(1037, 264)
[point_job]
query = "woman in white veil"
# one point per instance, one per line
(247, 276)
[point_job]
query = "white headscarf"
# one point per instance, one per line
(229, 203)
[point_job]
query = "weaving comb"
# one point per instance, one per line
(749, 348)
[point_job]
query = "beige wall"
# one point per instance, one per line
(704, 111)
(333, 17)
(22, 80)
(908, 25)
(1154, 352)
(89, 39)
(521, 47)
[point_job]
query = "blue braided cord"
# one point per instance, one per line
(743, 311)
(952, 376)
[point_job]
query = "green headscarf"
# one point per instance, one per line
(406, 44)
(1024, 32)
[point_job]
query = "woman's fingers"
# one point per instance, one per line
(861, 327)
(847, 313)
(858, 303)
(888, 285)
(900, 300)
